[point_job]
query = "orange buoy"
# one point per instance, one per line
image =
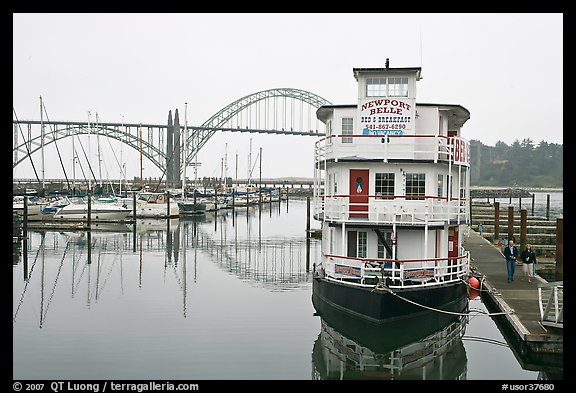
(473, 294)
(474, 283)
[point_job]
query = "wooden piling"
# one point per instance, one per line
(523, 228)
(167, 204)
(548, 207)
(510, 222)
(134, 223)
(560, 248)
(308, 216)
(307, 233)
(25, 218)
(89, 210)
(496, 220)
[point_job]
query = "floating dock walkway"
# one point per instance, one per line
(533, 342)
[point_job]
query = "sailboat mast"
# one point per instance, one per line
(99, 156)
(89, 178)
(42, 145)
(121, 165)
(184, 150)
(141, 178)
(74, 160)
(249, 163)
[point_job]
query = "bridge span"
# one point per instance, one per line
(173, 146)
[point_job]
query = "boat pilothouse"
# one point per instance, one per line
(391, 189)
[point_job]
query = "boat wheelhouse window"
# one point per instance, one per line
(398, 87)
(384, 184)
(387, 87)
(376, 87)
(347, 128)
(415, 185)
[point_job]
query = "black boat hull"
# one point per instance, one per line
(379, 306)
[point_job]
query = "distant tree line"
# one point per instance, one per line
(521, 164)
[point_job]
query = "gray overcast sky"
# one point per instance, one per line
(506, 69)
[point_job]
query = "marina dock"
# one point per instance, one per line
(521, 325)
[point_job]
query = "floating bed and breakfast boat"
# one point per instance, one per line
(391, 189)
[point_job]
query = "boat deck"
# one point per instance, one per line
(521, 325)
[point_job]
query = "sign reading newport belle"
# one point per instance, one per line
(386, 116)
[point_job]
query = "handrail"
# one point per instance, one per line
(551, 303)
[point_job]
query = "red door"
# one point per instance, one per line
(359, 193)
(453, 246)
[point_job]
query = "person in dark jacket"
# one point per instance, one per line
(511, 254)
(528, 257)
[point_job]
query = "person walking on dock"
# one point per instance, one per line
(511, 254)
(528, 257)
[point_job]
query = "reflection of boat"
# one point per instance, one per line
(107, 227)
(153, 224)
(392, 198)
(425, 347)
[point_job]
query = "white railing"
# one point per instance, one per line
(551, 302)
(398, 273)
(394, 209)
(394, 147)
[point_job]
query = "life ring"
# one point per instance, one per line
(160, 199)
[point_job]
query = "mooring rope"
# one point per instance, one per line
(480, 312)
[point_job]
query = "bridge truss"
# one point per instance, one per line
(283, 111)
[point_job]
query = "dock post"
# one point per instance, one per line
(134, 207)
(523, 221)
(496, 221)
(308, 216)
(89, 210)
(510, 222)
(89, 236)
(560, 248)
(533, 194)
(548, 207)
(134, 222)
(308, 233)
(25, 218)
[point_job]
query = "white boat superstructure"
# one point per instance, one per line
(155, 205)
(104, 212)
(391, 189)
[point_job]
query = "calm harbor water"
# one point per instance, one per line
(221, 297)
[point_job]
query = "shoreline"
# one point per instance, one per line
(539, 189)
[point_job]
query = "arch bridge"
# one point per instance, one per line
(284, 111)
